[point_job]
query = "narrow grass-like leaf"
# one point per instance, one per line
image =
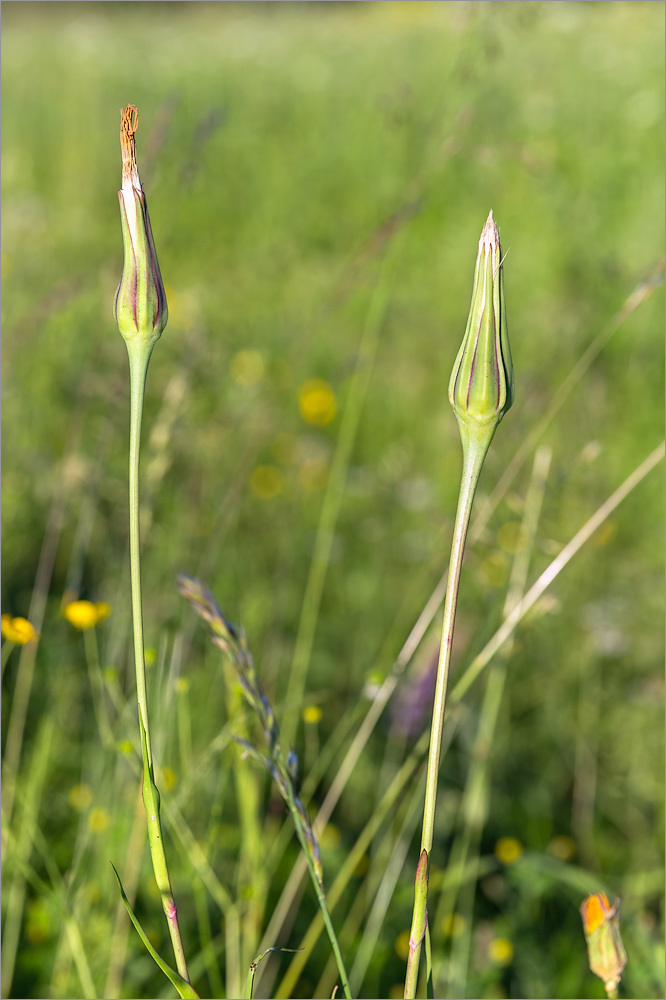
(249, 982)
(184, 989)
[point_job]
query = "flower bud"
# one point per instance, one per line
(605, 950)
(481, 388)
(140, 308)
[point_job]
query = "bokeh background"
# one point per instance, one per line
(318, 175)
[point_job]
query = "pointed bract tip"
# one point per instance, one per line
(490, 233)
(422, 867)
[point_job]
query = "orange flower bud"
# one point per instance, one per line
(605, 950)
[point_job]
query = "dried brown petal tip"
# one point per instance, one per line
(129, 122)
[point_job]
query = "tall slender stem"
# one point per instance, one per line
(139, 351)
(470, 477)
(330, 930)
(139, 357)
(474, 453)
(315, 876)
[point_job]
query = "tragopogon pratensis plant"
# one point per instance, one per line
(141, 312)
(480, 391)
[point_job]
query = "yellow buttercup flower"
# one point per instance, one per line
(317, 402)
(500, 951)
(85, 614)
(508, 850)
(312, 714)
(18, 630)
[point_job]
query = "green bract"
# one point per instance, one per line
(481, 388)
(140, 306)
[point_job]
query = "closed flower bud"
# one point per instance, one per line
(481, 388)
(140, 308)
(601, 925)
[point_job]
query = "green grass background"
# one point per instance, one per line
(285, 149)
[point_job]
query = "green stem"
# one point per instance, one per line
(315, 874)
(139, 352)
(334, 945)
(328, 923)
(139, 356)
(7, 647)
(474, 453)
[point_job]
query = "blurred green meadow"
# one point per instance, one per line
(318, 175)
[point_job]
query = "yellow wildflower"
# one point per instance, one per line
(80, 797)
(98, 820)
(85, 614)
(317, 402)
(312, 714)
(508, 850)
(500, 951)
(18, 630)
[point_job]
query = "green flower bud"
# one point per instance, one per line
(140, 308)
(481, 389)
